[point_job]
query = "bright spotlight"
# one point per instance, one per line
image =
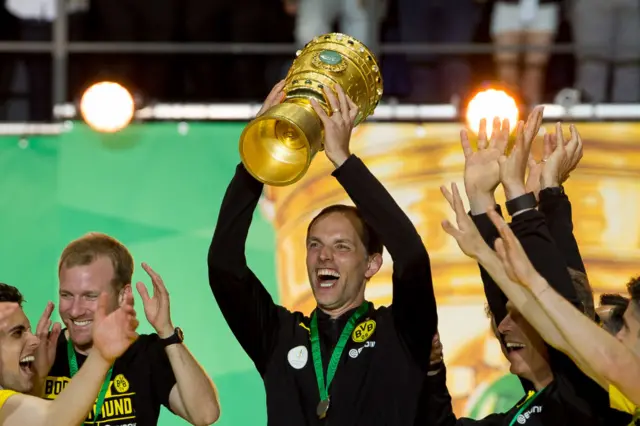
(489, 104)
(107, 107)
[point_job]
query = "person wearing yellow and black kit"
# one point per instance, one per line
(349, 363)
(559, 393)
(113, 334)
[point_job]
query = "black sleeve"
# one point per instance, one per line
(435, 406)
(246, 305)
(531, 229)
(496, 299)
(532, 232)
(414, 305)
(162, 377)
(556, 208)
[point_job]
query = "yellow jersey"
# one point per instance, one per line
(4, 395)
(622, 403)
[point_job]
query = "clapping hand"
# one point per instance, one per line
(113, 333)
(48, 334)
(156, 308)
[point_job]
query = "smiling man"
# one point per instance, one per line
(158, 370)
(347, 363)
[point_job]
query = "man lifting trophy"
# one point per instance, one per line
(347, 361)
(278, 146)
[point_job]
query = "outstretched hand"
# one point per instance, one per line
(513, 167)
(466, 234)
(337, 126)
(481, 171)
(561, 156)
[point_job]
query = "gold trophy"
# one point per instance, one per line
(277, 147)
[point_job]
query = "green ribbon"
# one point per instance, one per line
(526, 404)
(316, 352)
(73, 369)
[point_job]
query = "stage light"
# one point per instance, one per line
(107, 107)
(488, 104)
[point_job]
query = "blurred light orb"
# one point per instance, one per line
(489, 104)
(107, 107)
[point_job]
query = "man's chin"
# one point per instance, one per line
(81, 340)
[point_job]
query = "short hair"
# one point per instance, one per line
(9, 293)
(368, 235)
(633, 286)
(88, 248)
(613, 299)
(614, 323)
(583, 290)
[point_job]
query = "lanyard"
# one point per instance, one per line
(73, 369)
(316, 353)
(526, 404)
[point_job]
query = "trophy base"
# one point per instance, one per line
(277, 147)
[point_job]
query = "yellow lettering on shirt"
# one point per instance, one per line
(118, 401)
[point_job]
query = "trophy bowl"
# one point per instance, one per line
(278, 146)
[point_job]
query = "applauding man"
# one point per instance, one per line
(112, 335)
(349, 363)
(157, 370)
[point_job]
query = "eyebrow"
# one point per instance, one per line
(340, 240)
(19, 327)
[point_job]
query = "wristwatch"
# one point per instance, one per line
(523, 202)
(176, 337)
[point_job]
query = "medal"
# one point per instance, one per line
(323, 407)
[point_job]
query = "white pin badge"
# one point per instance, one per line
(298, 357)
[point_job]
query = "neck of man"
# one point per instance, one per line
(542, 379)
(339, 311)
(81, 349)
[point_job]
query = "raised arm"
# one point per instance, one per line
(560, 159)
(246, 305)
(481, 178)
(180, 381)
(600, 355)
(472, 244)
(414, 306)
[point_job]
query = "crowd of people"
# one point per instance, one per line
(348, 362)
(604, 66)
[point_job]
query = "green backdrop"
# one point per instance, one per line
(157, 188)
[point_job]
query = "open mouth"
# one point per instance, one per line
(514, 347)
(327, 278)
(26, 364)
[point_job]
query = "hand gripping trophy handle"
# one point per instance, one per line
(277, 147)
